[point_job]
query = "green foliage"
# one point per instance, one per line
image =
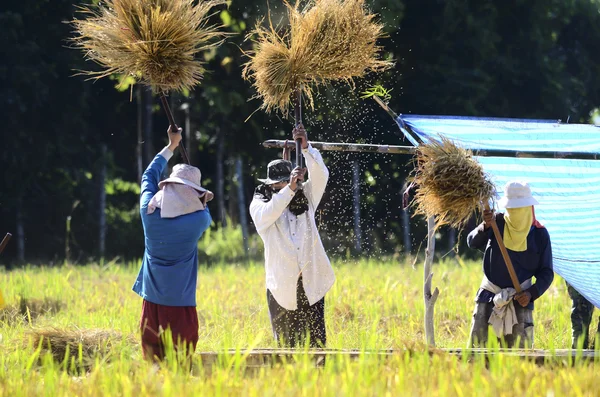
(119, 186)
(125, 234)
(595, 116)
(220, 245)
(379, 91)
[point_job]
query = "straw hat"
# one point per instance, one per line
(186, 175)
(517, 195)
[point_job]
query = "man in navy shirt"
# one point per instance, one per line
(529, 248)
(174, 215)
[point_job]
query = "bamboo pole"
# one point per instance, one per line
(395, 149)
(509, 265)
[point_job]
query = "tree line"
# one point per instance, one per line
(73, 151)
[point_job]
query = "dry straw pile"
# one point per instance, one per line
(451, 184)
(65, 344)
(155, 41)
(29, 310)
(328, 40)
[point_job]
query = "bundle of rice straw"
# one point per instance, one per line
(154, 41)
(28, 310)
(451, 184)
(64, 343)
(328, 40)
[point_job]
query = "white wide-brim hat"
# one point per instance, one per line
(186, 175)
(517, 195)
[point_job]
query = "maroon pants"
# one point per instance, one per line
(181, 320)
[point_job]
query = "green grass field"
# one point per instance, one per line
(373, 305)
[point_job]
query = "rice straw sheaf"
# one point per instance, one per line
(61, 343)
(28, 310)
(328, 40)
(451, 184)
(155, 41)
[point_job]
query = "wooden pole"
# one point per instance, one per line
(509, 265)
(167, 108)
(5, 241)
(429, 297)
(298, 121)
(385, 107)
(345, 147)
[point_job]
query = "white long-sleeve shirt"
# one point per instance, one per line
(292, 243)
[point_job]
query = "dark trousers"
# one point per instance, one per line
(181, 320)
(522, 331)
(581, 318)
(290, 327)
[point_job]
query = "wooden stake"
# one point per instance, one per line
(509, 265)
(430, 298)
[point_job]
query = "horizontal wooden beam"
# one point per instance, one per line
(345, 147)
(393, 149)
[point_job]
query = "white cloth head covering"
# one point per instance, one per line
(517, 195)
(181, 193)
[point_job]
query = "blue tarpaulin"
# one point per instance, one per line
(568, 189)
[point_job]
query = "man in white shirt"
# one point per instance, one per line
(298, 272)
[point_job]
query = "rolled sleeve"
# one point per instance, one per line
(166, 153)
(318, 175)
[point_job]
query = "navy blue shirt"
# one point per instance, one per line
(169, 270)
(536, 261)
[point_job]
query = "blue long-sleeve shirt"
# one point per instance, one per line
(169, 270)
(535, 261)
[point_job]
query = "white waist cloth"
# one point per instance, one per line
(503, 317)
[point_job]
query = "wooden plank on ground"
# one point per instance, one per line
(269, 357)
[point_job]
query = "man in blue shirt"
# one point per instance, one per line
(174, 216)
